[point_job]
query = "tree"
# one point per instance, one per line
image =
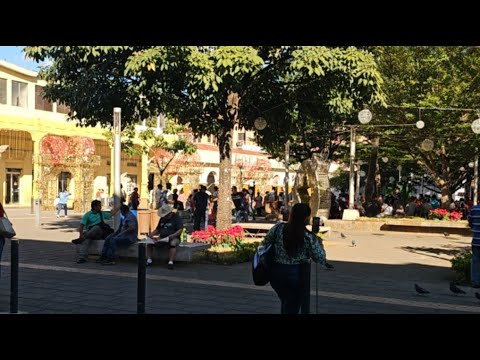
(213, 89)
(161, 151)
(426, 79)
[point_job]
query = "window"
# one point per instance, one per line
(3, 91)
(64, 179)
(19, 94)
(40, 102)
(242, 136)
(62, 108)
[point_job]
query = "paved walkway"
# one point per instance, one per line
(375, 276)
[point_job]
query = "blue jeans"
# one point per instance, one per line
(290, 284)
(59, 208)
(111, 243)
(475, 267)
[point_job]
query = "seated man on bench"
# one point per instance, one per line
(169, 228)
(92, 227)
(125, 235)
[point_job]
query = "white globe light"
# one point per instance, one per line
(462, 169)
(360, 162)
(420, 124)
(362, 173)
(476, 126)
(260, 123)
(365, 116)
(385, 159)
(399, 167)
(427, 145)
(471, 164)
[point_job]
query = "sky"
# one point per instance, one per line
(14, 55)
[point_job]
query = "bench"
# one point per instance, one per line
(260, 229)
(185, 250)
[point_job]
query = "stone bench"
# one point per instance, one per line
(185, 250)
(260, 229)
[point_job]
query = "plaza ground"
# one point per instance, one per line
(375, 276)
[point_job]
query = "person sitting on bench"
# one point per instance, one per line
(169, 228)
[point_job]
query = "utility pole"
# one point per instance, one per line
(475, 179)
(117, 150)
(287, 161)
(351, 187)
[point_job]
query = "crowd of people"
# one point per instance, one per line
(393, 205)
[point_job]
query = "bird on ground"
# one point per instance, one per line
(354, 243)
(421, 290)
(477, 295)
(455, 289)
(446, 234)
(343, 235)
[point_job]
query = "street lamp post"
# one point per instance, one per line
(117, 130)
(364, 117)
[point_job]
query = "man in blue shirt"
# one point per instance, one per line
(125, 235)
(474, 222)
(62, 202)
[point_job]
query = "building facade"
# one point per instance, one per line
(42, 153)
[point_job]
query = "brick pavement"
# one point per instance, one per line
(376, 276)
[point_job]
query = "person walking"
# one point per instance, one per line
(294, 246)
(474, 222)
(62, 202)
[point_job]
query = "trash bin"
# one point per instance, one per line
(143, 217)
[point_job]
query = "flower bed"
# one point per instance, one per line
(443, 214)
(227, 246)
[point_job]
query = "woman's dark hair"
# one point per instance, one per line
(294, 230)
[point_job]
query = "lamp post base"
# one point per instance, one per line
(350, 214)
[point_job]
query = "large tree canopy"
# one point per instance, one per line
(430, 84)
(300, 90)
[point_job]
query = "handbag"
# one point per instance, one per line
(6, 227)
(262, 263)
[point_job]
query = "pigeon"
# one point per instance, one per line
(455, 289)
(354, 243)
(343, 235)
(421, 290)
(446, 234)
(329, 266)
(477, 295)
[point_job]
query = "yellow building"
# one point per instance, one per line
(44, 153)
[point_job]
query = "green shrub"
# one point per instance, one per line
(461, 265)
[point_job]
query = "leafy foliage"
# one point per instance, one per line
(461, 264)
(430, 77)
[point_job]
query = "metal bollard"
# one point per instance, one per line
(14, 277)
(141, 280)
(306, 277)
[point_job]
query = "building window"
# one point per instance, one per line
(64, 179)
(62, 108)
(40, 102)
(197, 139)
(19, 94)
(3, 91)
(241, 136)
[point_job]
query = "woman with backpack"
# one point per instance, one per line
(294, 246)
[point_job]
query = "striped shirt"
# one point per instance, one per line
(474, 222)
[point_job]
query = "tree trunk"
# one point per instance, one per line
(370, 185)
(224, 211)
